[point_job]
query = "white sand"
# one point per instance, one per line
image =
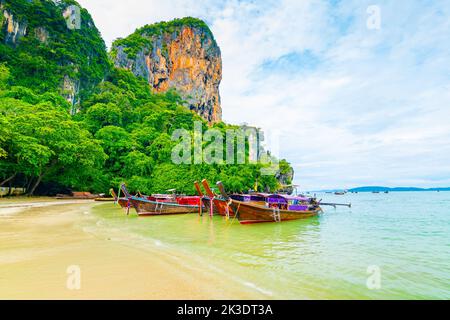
(40, 240)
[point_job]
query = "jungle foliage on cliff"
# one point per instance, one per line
(141, 38)
(48, 52)
(123, 134)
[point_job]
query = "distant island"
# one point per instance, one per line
(397, 189)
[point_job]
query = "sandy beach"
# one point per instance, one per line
(42, 239)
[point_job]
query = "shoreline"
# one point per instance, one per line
(40, 241)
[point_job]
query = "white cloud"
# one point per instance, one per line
(371, 107)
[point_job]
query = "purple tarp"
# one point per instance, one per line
(298, 208)
(278, 198)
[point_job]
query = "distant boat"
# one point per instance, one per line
(386, 192)
(77, 196)
(340, 193)
(375, 191)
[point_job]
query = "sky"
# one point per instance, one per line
(357, 92)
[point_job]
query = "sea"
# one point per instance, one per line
(386, 246)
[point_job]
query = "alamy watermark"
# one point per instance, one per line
(72, 15)
(374, 280)
(374, 18)
(244, 145)
(74, 277)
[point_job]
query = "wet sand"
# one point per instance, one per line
(41, 238)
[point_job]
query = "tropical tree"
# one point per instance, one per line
(46, 142)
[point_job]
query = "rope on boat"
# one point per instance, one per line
(118, 196)
(211, 210)
(235, 215)
(276, 214)
(227, 211)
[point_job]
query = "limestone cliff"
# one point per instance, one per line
(181, 54)
(285, 176)
(14, 29)
(52, 45)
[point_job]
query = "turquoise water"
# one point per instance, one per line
(406, 236)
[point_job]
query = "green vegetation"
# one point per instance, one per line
(137, 139)
(41, 142)
(122, 132)
(42, 64)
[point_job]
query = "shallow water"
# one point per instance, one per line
(406, 235)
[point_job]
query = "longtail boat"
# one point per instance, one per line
(157, 205)
(277, 208)
(123, 202)
(206, 201)
(104, 199)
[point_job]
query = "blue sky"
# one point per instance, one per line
(353, 105)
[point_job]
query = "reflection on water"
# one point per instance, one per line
(407, 235)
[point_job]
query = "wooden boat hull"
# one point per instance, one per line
(104, 199)
(222, 207)
(75, 198)
(153, 208)
(219, 207)
(207, 203)
(123, 202)
(248, 213)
